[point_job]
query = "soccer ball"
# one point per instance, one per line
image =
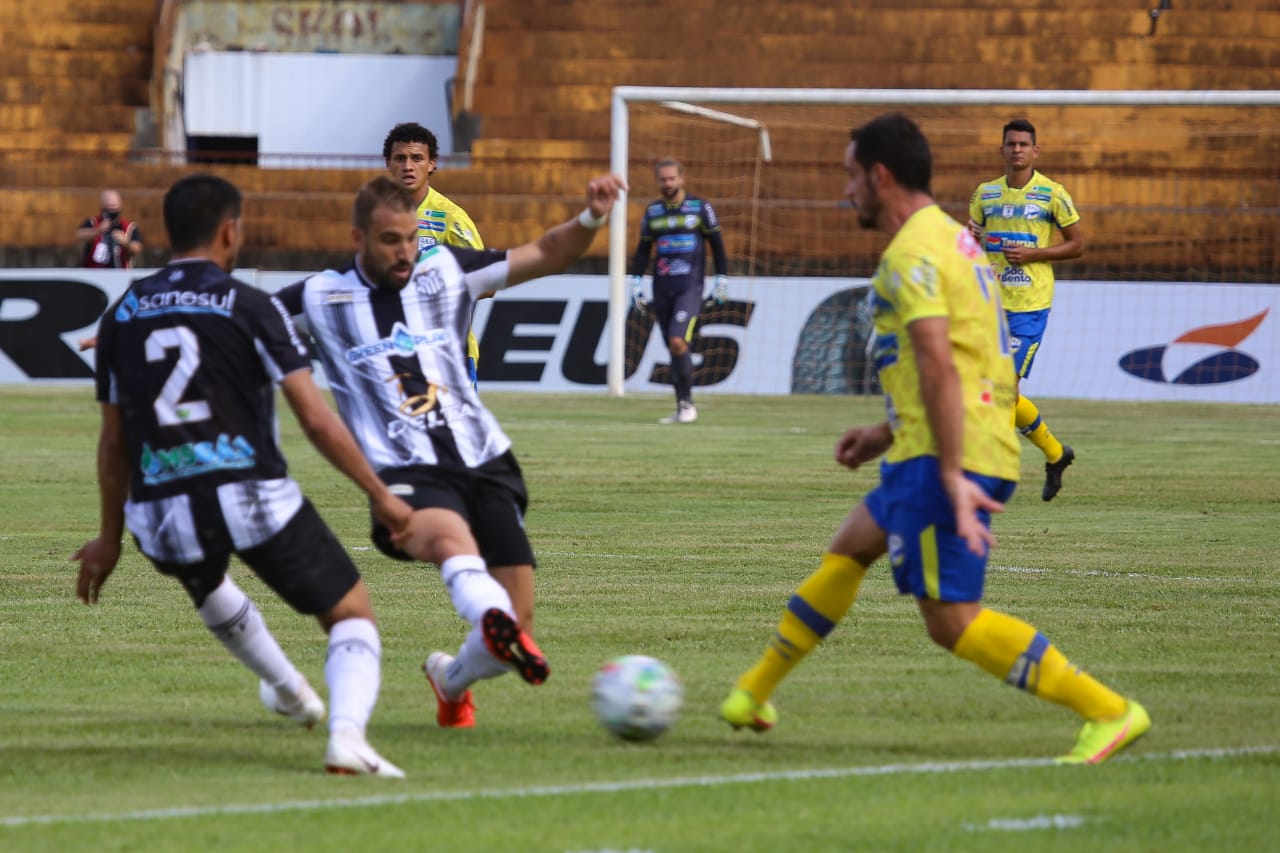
(636, 697)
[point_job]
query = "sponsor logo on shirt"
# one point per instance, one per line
(1035, 196)
(1032, 211)
(175, 302)
(991, 195)
(676, 244)
(669, 267)
(400, 342)
(195, 458)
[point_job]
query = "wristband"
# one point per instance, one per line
(589, 221)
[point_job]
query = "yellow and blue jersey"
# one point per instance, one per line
(934, 268)
(441, 220)
(1024, 216)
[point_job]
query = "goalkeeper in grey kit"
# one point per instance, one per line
(682, 226)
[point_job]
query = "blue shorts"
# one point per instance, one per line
(1026, 328)
(928, 559)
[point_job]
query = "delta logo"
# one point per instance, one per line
(1203, 356)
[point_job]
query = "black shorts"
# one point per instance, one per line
(304, 563)
(492, 498)
(677, 309)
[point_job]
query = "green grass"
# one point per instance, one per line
(126, 727)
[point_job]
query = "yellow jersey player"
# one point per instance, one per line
(1014, 216)
(410, 152)
(950, 459)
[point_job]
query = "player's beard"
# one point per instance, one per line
(386, 278)
(869, 212)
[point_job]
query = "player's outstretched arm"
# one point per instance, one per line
(329, 434)
(562, 245)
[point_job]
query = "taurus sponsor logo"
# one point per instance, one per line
(1202, 356)
(675, 243)
(400, 342)
(195, 458)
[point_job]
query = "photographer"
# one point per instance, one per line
(109, 240)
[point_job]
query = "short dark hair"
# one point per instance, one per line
(897, 143)
(411, 131)
(1020, 125)
(669, 161)
(195, 208)
(379, 192)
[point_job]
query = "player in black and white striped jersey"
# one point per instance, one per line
(187, 362)
(392, 336)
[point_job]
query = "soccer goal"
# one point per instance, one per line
(1173, 187)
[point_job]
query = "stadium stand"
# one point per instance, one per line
(72, 96)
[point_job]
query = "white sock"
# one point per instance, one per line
(353, 671)
(472, 588)
(472, 664)
(236, 622)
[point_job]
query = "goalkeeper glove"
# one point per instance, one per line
(721, 291)
(637, 295)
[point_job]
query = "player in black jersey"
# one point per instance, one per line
(682, 226)
(392, 336)
(187, 363)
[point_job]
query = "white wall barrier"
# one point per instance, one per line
(1106, 340)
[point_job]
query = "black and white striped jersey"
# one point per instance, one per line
(191, 357)
(397, 360)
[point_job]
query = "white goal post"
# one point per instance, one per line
(684, 98)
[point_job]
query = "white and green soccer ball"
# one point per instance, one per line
(636, 697)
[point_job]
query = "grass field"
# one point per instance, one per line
(126, 727)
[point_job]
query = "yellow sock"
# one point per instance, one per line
(1010, 649)
(813, 611)
(1027, 418)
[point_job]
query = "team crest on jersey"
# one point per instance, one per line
(1007, 211)
(429, 282)
(925, 276)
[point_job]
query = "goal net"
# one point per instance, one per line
(1173, 188)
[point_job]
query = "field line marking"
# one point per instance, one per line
(929, 767)
(1014, 570)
